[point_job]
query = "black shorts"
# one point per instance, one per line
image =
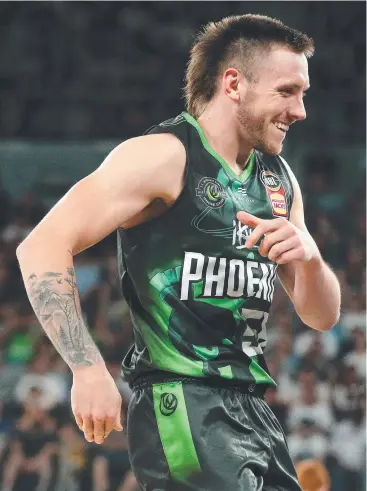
(184, 435)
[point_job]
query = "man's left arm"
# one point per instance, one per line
(308, 280)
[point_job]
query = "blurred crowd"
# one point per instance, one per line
(320, 398)
(64, 75)
(106, 69)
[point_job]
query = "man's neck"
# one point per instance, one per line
(221, 133)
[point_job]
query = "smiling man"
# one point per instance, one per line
(207, 214)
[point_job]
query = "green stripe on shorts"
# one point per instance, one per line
(174, 430)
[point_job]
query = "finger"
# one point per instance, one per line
(265, 227)
(79, 421)
(109, 425)
(271, 239)
(248, 219)
(99, 430)
(117, 424)
(282, 247)
(88, 428)
(289, 256)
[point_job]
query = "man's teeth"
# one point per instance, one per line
(281, 126)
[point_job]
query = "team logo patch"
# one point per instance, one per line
(276, 194)
(168, 404)
(211, 192)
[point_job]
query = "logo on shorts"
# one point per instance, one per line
(211, 192)
(168, 404)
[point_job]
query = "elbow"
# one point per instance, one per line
(23, 249)
(323, 324)
(19, 250)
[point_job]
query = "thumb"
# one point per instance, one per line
(248, 219)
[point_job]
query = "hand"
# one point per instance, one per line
(283, 241)
(95, 402)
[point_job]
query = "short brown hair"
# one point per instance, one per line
(230, 40)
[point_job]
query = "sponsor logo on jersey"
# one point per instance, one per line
(211, 192)
(223, 277)
(276, 194)
(270, 180)
(278, 204)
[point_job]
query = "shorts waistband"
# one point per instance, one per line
(147, 380)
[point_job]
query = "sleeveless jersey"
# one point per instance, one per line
(199, 299)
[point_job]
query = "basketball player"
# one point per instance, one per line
(207, 215)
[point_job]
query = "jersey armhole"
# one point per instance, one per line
(285, 169)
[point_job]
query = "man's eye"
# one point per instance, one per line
(287, 91)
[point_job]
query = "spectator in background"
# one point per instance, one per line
(111, 470)
(16, 231)
(19, 333)
(347, 393)
(307, 441)
(309, 408)
(291, 391)
(279, 408)
(33, 448)
(315, 351)
(357, 356)
(355, 267)
(348, 452)
(5, 428)
(52, 387)
(354, 314)
(73, 452)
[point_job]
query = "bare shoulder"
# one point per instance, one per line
(122, 190)
(150, 152)
(152, 167)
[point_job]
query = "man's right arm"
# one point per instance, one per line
(135, 174)
(130, 178)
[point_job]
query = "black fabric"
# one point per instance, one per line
(238, 440)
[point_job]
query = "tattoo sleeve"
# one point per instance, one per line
(55, 300)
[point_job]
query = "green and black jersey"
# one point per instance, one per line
(199, 298)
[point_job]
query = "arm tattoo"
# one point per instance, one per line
(54, 298)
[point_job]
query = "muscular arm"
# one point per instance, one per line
(312, 286)
(135, 174)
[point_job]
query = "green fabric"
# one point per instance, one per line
(199, 298)
(174, 430)
(250, 164)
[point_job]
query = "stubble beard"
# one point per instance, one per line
(255, 131)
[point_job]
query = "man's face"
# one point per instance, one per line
(274, 100)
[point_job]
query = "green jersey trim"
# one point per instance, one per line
(174, 430)
(245, 174)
